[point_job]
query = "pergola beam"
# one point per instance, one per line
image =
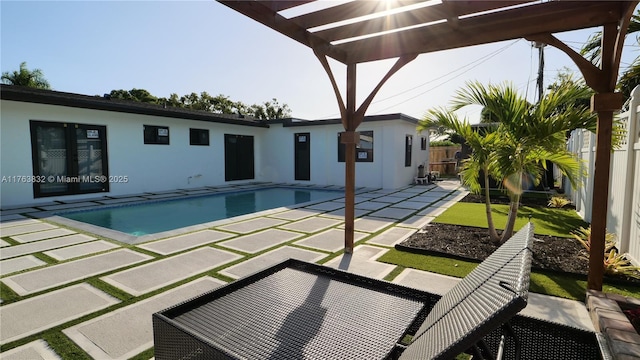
(450, 25)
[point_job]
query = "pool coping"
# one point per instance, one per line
(53, 216)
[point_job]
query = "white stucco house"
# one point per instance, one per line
(64, 146)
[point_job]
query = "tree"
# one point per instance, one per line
(481, 143)
(25, 77)
(220, 104)
(630, 78)
(525, 137)
(140, 95)
(270, 110)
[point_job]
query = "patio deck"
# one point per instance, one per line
(173, 269)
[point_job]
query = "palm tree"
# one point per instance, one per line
(25, 77)
(481, 144)
(525, 137)
(630, 78)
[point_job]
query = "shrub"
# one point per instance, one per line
(443, 143)
(558, 202)
(614, 262)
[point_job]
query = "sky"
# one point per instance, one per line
(93, 47)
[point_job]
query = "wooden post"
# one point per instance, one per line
(350, 159)
(604, 105)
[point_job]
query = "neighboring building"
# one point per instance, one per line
(77, 139)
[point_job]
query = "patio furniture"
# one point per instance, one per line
(297, 310)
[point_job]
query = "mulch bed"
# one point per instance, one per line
(550, 253)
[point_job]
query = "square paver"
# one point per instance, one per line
(252, 225)
(155, 275)
(84, 249)
(128, 331)
(18, 220)
(391, 237)
(43, 245)
(184, 242)
(409, 204)
(24, 229)
(26, 317)
(326, 206)
(362, 262)
(41, 235)
(260, 241)
(330, 240)
(371, 205)
(56, 275)
(311, 225)
(295, 214)
(339, 214)
(427, 198)
(19, 264)
(433, 211)
(35, 350)
(393, 213)
(271, 258)
(371, 224)
(416, 222)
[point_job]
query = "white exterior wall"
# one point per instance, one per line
(154, 168)
(386, 171)
(148, 168)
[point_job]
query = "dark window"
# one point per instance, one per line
(408, 141)
(199, 137)
(423, 143)
(68, 158)
(156, 134)
(364, 150)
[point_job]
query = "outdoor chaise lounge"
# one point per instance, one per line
(297, 310)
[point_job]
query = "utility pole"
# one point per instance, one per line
(540, 83)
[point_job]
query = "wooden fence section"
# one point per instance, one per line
(442, 159)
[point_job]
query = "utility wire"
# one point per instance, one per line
(473, 64)
(484, 59)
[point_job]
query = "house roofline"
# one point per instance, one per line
(51, 97)
(290, 122)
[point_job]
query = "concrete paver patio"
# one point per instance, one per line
(84, 269)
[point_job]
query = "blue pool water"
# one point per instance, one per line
(167, 215)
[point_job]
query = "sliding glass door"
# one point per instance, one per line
(68, 158)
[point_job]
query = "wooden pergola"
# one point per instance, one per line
(363, 31)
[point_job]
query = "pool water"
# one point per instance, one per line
(167, 215)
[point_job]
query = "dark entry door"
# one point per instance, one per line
(238, 157)
(302, 156)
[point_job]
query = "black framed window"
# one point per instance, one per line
(408, 144)
(158, 135)
(423, 143)
(68, 158)
(364, 150)
(199, 137)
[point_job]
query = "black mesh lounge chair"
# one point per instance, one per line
(297, 310)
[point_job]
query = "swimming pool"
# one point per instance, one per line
(161, 216)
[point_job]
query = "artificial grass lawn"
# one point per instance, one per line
(565, 286)
(547, 221)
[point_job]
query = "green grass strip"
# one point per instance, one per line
(560, 285)
(547, 221)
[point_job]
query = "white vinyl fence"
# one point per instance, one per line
(623, 214)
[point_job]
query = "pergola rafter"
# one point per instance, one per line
(363, 31)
